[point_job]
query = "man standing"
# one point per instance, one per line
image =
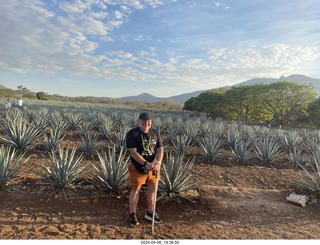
(8, 103)
(20, 103)
(146, 153)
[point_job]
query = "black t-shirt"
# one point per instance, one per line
(146, 145)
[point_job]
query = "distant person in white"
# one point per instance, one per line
(8, 103)
(20, 103)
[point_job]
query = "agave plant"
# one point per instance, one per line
(120, 139)
(30, 114)
(190, 130)
(176, 177)
(295, 157)
(10, 165)
(173, 132)
(99, 118)
(14, 114)
(40, 123)
(54, 140)
(249, 133)
(61, 171)
(126, 121)
(85, 128)
(182, 145)
(232, 136)
(242, 152)
(19, 134)
(267, 150)
(205, 128)
(310, 181)
(58, 123)
(74, 120)
(291, 140)
(112, 172)
(106, 127)
(211, 147)
(88, 142)
(157, 123)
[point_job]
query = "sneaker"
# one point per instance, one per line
(149, 216)
(133, 219)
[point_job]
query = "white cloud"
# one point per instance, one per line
(34, 37)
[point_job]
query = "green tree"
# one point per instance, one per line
(285, 99)
(25, 91)
(41, 96)
(20, 88)
(314, 113)
(192, 105)
(245, 102)
(213, 103)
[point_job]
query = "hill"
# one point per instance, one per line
(144, 97)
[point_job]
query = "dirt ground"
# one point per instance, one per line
(235, 202)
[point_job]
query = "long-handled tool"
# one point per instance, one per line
(155, 201)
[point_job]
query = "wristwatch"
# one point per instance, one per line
(145, 163)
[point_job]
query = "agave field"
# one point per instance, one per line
(66, 147)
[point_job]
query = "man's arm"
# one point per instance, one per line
(136, 156)
(159, 156)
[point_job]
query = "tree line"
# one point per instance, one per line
(24, 93)
(280, 103)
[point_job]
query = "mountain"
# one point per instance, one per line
(145, 97)
(177, 99)
(301, 79)
(180, 99)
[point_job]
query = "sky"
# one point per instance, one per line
(117, 48)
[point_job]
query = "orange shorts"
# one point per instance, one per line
(138, 178)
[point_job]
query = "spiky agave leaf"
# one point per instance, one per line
(310, 181)
(88, 142)
(74, 120)
(62, 170)
(112, 172)
(295, 156)
(211, 147)
(176, 177)
(232, 136)
(267, 150)
(120, 139)
(291, 140)
(182, 145)
(242, 151)
(19, 134)
(10, 168)
(55, 139)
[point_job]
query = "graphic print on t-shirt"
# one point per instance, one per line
(149, 145)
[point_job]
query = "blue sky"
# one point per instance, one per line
(116, 48)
